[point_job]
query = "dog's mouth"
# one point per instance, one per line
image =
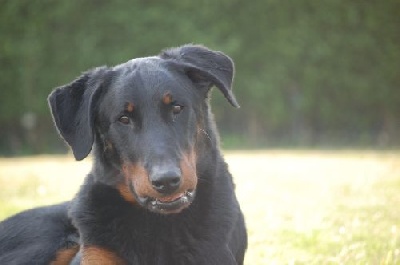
(168, 204)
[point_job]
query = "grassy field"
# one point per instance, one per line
(301, 207)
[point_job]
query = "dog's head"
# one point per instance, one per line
(146, 118)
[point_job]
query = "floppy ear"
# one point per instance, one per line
(202, 64)
(72, 110)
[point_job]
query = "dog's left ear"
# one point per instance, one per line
(72, 107)
(203, 65)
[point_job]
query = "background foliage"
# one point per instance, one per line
(309, 73)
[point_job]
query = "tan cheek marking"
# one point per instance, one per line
(124, 191)
(167, 98)
(188, 168)
(64, 256)
(139, 177)
(94, 255)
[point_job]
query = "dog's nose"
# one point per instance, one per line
(166, 182)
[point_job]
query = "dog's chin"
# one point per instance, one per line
(166, 205)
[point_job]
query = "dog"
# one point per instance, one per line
(159, 191)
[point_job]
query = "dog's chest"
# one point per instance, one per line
(165, 247)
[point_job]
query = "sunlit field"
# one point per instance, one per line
(301, 207)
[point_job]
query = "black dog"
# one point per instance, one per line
(159, 191)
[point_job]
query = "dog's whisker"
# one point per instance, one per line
(206, 134)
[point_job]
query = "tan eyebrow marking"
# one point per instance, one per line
(130, 107)
(167, 98)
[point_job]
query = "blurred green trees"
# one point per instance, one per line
(308, 72)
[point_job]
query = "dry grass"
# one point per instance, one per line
(302, 207)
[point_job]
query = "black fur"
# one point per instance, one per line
(153, 114)
(34, 236)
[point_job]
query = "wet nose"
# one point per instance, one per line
(166, 181)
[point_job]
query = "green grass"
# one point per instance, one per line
(301, 207)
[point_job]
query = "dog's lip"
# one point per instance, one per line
(171, 198)
(171, 204)
(167, 204)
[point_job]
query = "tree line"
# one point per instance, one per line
(308, 73)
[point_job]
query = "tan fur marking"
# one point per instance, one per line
(130, 107)
(126, 193)
(94, 255)
(188, 169)
(139, 177)
(64, 256)
(167, 98)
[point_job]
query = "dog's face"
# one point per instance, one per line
(149, 117)
(146, 116)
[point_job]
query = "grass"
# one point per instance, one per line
(301, 207)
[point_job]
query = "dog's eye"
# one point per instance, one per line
(176, 109)
(124, 119)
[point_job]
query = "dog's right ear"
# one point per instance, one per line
(72, 108)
